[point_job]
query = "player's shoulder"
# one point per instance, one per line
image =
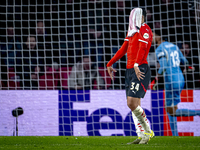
(145, 28)
(160, 48)
(170, 46)
(165, 47)
(145, 31)
(160, 52)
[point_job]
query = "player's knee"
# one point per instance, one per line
(132, 103)
(132, 106)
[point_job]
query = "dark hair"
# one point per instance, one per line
(144, 13)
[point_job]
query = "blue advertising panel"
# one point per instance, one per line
(105, 113)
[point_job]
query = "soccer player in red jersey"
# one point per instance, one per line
(137, 77)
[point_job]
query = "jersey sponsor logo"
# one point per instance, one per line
(146, 36)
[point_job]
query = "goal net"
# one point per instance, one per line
(61, 48)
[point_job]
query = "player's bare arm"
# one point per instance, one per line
(111, 71)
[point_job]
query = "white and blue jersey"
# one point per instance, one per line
(170, 57)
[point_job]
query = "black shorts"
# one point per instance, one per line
(134, 87)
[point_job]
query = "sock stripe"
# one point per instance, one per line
(141, 116)
(142, 113)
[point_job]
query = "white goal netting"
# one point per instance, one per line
(64, 46)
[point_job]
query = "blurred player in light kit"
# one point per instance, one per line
(136, 44)
(169, 57)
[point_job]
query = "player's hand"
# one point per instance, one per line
(154, 84)
(139, 74)
(110, 72)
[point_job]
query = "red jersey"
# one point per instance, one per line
(137, 48)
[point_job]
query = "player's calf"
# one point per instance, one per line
(133, 102)
(141, 116)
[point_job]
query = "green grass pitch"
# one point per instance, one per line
(96, 143)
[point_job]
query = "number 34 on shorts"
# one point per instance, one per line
(134, 87)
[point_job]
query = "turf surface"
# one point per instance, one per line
(96, 143)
